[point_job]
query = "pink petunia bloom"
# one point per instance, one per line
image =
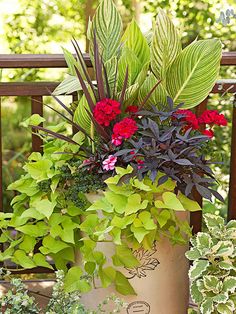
(109, 163)
(116, 140)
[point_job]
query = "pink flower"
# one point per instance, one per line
(109, 163)
(116, 140)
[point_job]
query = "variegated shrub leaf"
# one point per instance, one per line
(198, 269)
(108, 25)
(212, 283)
(207, 307)
(229, 284)
(226, 308)
(196, 294)
(136, 41)
(193, 73)
(165, 46)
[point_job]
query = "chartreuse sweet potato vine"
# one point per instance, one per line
(213, 272)
(134, 214)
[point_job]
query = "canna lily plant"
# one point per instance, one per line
(134, 139)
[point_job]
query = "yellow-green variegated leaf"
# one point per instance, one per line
(159, 95)
(165, 45)
(69, 85)
(108, 25)
(111, 69)
(193, 73)
(130, 61)
(81, 116)
(131, 93)
(136, 41)
(72, 63)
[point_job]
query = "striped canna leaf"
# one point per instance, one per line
(136, 41)
(192, 75)
(108, 25)
(165, 45)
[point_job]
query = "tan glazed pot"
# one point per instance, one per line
(161, 280)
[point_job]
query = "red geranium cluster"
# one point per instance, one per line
(123, 129)
(189, 117)
(106, 111)
(208, 117)
(212, 117)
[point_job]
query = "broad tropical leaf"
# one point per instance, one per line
(81, 116)
(70, 85)
(108, 25)
(193, 73)
(128, 60)
(159, 95)
(136, 41)
(165, 45)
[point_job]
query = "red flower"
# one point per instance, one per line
(208, 133)
(140, 162)
(189, 117)
(132, 109)
(125, 128)
(212, 117)
(106, 111)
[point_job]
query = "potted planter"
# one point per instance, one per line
(136, 140)
(161, 276)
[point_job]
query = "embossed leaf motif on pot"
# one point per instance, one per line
(147, 262)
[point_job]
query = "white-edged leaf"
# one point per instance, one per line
(229, 284)
(198, 268)
(196, 294)
(165, 45)
(226, 308)
(207, 306)
(193, 73)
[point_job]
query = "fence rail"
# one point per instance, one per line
(37, 90)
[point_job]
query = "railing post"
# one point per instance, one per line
(1, 163)
(37, 107)
(232, 180)
(196, 217)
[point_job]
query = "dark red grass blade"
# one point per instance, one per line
(98, 127)
(61, 103)
(122, 95)
(98, 70)
(115, 81)
(75, 125)
(79, 54)
(85, 90)
(106, 81)
(54, 134)
(149, 94)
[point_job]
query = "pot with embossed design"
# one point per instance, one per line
(159, 279)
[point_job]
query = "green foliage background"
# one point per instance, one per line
(39, 25)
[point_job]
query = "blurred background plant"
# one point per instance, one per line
(43, 26)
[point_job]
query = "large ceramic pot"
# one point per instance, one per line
(161, 280)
